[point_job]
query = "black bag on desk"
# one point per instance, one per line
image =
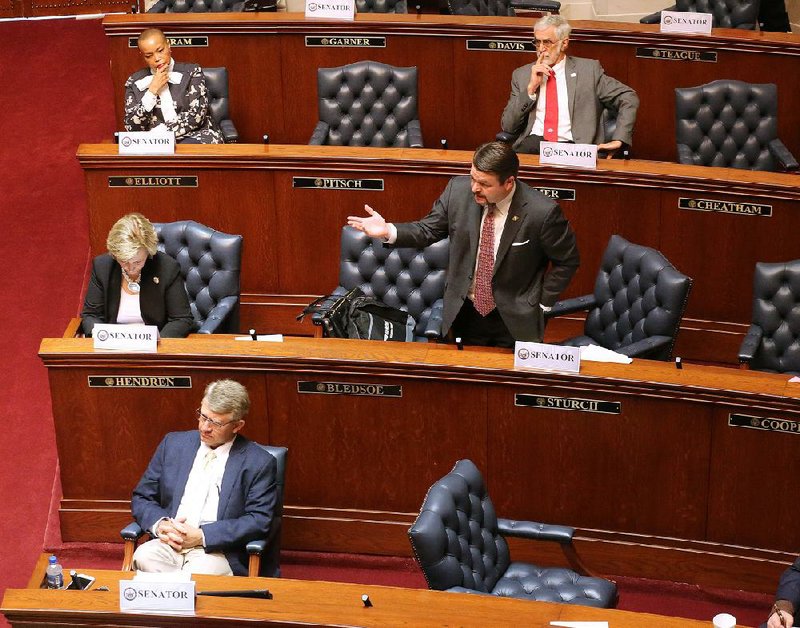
(355, 315)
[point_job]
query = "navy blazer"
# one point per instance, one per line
(246, 500)
(163, 297)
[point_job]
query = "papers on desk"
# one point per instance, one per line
(580, 624)
(794, 380)
(263, 338)
(593, 353)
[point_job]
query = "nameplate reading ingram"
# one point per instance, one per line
(326, 183)
(189, 41)
(348, 388)
(139, 381)
(567, 403)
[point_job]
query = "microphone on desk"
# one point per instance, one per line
(253, 334)
(678, 363)
(262, 594)
(366, 600)
(459, 343)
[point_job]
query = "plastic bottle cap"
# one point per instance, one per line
(53, 560)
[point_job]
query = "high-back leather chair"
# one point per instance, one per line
(773, 341)
(367, 104)
(381, 6)
(500, 7)
(210, 264)
(219, 102)
(726, 13)
(196, 6)
(730, 124)
(637, 305)
(410, 279)
(459, 544)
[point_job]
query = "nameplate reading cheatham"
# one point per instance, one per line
(676, 54)
(152, 182)
(346, 41)
(348, 388)
(500, 45)
(567, 403)
(170, 597)
(725, 207)
(325, 183)
(764, 423)
(114, 337)
(537, 355)
(558, 194)
(188, 41)
(139, 381)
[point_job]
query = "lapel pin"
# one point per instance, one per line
(514, 218)
(574, 74)
(155, 279)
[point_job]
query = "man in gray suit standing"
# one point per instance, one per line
(559, 98)
(512, 251)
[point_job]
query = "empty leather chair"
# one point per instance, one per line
(367, 104)
(637, 304)
(773, 341)
(381, 6)
(500, 7)
(195, 6)
(459, 544)
(210, 263)
(730, 124)
(726, 13)
(218, 102)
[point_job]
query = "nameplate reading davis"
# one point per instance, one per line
(324, 183)
(567, 403)
(139, 381)
(501, 45)
(676, 54)
(189, 41)
(346, 41)
(344, 388)
(152, 182)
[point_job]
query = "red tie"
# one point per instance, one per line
(551, 110)
(484, 300)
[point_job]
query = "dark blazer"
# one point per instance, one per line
(535, 234)
(789, 589)
(246, 500)
(589, 91)
(163, 297)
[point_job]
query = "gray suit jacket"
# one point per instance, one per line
(589, 91)
(536, 234)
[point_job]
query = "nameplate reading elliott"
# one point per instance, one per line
(152, 182)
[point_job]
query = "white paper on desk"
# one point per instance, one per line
(594, 353)
(794, 380)
(263, 338)
(580, 624)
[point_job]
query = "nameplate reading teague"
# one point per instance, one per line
(764, 423)
(139, 381)
(725, 207)
(325, 183)
(567, 403)
(676, 54)
(152, 182)
(187, 41)
(346, 41)
(501, 45)
(558, 194)
(350, 388)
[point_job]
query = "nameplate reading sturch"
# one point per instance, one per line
(502, 45)
(567, 403)
(188, 41)
(558, 194)
(346, 41)
(346, 388)
(725, 207)
(766, 424)
(676, 54)
(324, 183)
(139, 381)
(152, 182)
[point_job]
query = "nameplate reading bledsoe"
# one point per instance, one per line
(767, 424)
(676, 54)
(139, 381)
(326, 183)
(140, 338)
(345, 41)
(558, 194)
(187, 41)
(725, 207)
(152, 182)
(146, 143)
(544, 357)
(576, 155)
(161, 597)
(349, 388)
(567, 403)
(500, 45)
(686, 22)
(331, 9)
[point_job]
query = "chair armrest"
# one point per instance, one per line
(158, 7)
(685, 155)
(782, 155)
(548, 6)
(645, 347)
(508, 138)
(229, 131)
(433, 330)
(568, 306)
(132, 532)
(465, 590)
(750, 344)
(218, 315)
(535, 531)
(414, 134)
(257, 547)
(320, 134)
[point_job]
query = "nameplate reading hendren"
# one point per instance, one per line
(152, 182)
(567, 403)
(676, 54)
(725, 207)
(347, 388)
(764, 423)
(323, 183)
(139, 381)
(558, 194)
(189, 41)
(501, 45)
(346, 41)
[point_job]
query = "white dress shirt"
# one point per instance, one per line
(564, 122)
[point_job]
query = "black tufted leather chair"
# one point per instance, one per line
(773, 341)
(459, 544)
(196, 6)
(637, 305)
(500, 7)
(410, 279)
(367, 104)
(730, 124)
(218, 101)
(726, 13)
(210, 264)
(381, 6)
(264, 553)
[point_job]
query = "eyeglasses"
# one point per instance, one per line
(202, 418)
(547, 43)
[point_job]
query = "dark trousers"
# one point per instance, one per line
(484, 331)
(530, 145)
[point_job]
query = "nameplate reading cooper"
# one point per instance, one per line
(725, 207)
(324, 183)
(346, 41)
(146, 143)
(686, 22)
(540, 356)
(558, 194)
(139, 381)
(676, 54)
(152, 182)
(190, 41)
(346, 388)
(501, 45)
(125, 337)
(577, 155)
(168, 597)
(567, 403)
(766, 424)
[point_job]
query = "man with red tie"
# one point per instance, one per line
(559, 98)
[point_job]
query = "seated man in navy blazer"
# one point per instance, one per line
(206, 493)
(787, 599)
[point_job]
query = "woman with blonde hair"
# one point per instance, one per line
(135, 283)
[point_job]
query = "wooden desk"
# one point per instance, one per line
(291, 248)
(666, 488)
(462, 91)
(306, 603)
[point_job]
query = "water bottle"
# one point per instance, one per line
(54, 575)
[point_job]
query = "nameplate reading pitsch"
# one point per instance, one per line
(346, 41)
(725, 207)
(544, 357)
(169, 597)
(152, 182)
(146, 143)
(567, 403)
(676, 54)
(558, 194)
(576, 155)
(326, 183)
(686, 22)
(113, 337)
(139, 381)
(347, 388)
(188, 41)
(766, 424)
(500, 45)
